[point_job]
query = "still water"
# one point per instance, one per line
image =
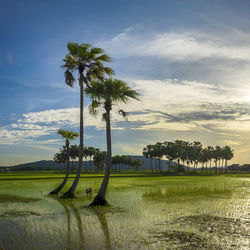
(145, 213)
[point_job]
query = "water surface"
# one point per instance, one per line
(145, 213)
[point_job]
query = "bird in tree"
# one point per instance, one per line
(104, 95)
(87, 62)
(68, 135)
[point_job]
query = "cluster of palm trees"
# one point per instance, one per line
(123, 161)
(86, 63)
(70, 153)
(189, 154)
(89, 153)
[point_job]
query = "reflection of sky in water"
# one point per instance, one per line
(147, 213)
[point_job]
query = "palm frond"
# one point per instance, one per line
(108, 71)
(104, 58)
(68, 134)
(87, 61)
(73, 48)
(107, 93)
(93, 107)
(95, 51)
(83, 52)
(70, 62)
(85, 45)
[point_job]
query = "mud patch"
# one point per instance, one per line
(184, 240)
(216, 224)
(228, 233)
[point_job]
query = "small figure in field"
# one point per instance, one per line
(89, 190)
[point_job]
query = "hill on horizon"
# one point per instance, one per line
(44, 165)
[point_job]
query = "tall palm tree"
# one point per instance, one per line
(210, 155)
(87, 62)
(68, 135)
(148, 152)
(227, 154)
(217, 157)
(99, 160)
(105, 94)
(74, 153)
(92, 152)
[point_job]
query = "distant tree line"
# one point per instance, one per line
(97, 157)
(188, 154)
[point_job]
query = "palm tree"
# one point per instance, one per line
(99, 160)
(92, 152)
(227, 154)
(87, 62)
(148, 152)
(203, 157)
(60, 157)
(217, 157)
(210, 155)
(85, 154)
(74, 153)
(170, 152)
(158, 153)
(68, 135)
(106, 94)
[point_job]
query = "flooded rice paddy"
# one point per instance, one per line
(145, 213)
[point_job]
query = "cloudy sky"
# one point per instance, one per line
(189, 60)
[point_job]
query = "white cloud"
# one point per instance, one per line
(188, 45)
(169, 104)
(218, 58)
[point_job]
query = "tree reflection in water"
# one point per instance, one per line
(98, 211)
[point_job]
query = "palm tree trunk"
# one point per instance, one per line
(160, 166)
(70, 192)
(100, 198)
(151, 165)
(58, 189)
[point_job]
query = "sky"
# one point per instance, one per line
(188, 60)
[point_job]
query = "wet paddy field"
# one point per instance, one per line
(168, 212)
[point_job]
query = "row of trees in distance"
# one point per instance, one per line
(189, 154)
(119, 162)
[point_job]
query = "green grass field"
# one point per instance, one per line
(166, 212)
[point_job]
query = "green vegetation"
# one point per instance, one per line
(160, 212)
(190, 154)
